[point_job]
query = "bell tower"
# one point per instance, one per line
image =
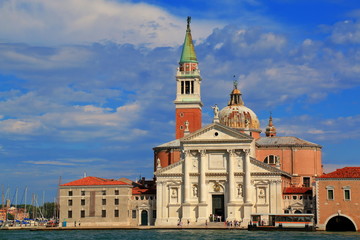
(188, 99)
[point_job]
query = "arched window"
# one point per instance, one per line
(271, 159)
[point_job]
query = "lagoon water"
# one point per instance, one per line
(174, 235)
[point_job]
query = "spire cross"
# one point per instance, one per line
(188, 22)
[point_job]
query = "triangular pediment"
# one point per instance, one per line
(297, 205)
(175, 168)
(217, 132)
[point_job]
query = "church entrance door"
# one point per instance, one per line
(218, 208)
(144, 218)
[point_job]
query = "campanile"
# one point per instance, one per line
(188, 99)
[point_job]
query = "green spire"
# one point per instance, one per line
(188, 52)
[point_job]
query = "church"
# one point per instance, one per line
(226, 171)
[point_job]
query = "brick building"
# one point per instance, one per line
(94, 201)
(338, 199)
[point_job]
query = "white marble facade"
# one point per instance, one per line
(217, 177)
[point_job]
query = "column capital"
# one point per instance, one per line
(232, 152)
(185, 152)
(246, 151)
(202, 152)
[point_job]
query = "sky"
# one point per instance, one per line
(87, 86)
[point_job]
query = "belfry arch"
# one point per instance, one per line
(340, 223)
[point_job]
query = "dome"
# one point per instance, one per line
(236, 115)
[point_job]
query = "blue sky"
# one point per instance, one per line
(87, 85)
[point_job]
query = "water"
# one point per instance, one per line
(173, 235)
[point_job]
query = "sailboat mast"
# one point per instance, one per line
(16, 203)
(25, 199)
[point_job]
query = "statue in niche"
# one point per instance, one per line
(195, 191)
(261, 193)
(240, 190)
(240, 162)
(174, 193)
(195, 163)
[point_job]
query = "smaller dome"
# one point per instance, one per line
(270, 129)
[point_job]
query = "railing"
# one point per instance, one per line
(188, 73)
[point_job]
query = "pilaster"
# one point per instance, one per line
(247, 171)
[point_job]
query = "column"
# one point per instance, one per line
(202, 205)
(202, 176)
(247, 206)
(231, 177)
(159, 205)
(272, 196)
(247, 176)
(186, 206)
(186, 176)
(165, 201)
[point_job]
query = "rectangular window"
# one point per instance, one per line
(306, 181)
(116, 201)
(103, 213)
(70, 202)
(82, 213)
(182, 87)
(103, 192)
(330, 194)
(154, 213)
(133, 213)
(70, 193)
(347, 194)
(82, 202)
(103, 201)
(116, 213)
(116, 192)
(187, 87)
(82, 193)
(192, 87)
(69, 214)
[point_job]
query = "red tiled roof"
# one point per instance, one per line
(91, 181)
(346, 172)
(137, 191)
(298, 190)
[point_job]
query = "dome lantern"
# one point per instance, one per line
(237, 115)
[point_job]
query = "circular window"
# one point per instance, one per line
(216, 134)
(181, 114)
(181, 127)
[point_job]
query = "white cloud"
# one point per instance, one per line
(57, 163)
(78, 123)
(316, 129)
(87, 21)
(347, 31)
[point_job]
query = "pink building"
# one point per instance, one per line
(338, 199)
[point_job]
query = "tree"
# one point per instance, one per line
(10, 216)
